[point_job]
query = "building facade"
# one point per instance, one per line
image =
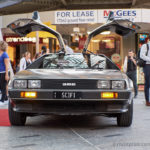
(75, 25)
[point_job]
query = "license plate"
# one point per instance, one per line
(67, 95)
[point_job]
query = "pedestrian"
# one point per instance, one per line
(17, 67)
(47, 51)
(145, 55)
(37, 55)
(44, 50)
(69, 50)
(4, 66)
(130, 68)
(25, 61)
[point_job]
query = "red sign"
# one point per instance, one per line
(16, 40)
(82, 42)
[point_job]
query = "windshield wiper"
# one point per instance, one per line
(100, 61)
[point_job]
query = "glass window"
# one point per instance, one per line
(73, 61)
(105, 44)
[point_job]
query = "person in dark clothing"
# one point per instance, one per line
(44, 49)
(145, 55)
(131, 70)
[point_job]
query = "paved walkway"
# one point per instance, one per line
(73, 133)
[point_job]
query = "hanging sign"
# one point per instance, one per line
(76, 17)
(134, 15)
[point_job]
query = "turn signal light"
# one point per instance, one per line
(28, 94)
(109, 95)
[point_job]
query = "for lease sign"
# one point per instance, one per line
(100, 16)
(76, 17)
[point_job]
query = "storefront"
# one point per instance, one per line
(80, 22)
(17, 45)
(75, 25)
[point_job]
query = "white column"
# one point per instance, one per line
(1, 36)
(37, 42)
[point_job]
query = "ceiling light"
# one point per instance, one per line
(105, 32)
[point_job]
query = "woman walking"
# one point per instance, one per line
(25, 61)
(4, 65)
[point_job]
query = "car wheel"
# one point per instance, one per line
(125, 119)
(16, 118)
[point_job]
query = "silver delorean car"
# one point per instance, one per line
(71, 84)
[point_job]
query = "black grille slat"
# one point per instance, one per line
(58, 84)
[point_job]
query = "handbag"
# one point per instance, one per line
(140, 62)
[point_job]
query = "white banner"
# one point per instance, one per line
(76, 17)
(101, 16)
(145, 15)
(134, 15)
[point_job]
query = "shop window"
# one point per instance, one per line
(107, 45)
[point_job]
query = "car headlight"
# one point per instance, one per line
(34, 83)
(20, 84)
(103, 84)
(118, 85)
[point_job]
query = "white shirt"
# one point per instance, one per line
(143, 53)
(23, 63)
(69, 50)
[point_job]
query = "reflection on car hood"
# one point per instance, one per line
(69, 74)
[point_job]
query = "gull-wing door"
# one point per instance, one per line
(119, 26)
(24, 26)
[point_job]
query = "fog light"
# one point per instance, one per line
(109, 95)
(28, 94)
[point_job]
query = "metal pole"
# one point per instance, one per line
(1, 36)
(37, 42)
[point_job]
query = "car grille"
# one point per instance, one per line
(69, 84)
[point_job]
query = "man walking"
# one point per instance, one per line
(145, 55)
(130, 63)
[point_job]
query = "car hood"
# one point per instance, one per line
(69, 74)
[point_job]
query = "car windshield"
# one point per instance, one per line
(72, 61)
(54, 61)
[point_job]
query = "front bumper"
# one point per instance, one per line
(90, 103)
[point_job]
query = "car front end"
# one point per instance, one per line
(71, 96)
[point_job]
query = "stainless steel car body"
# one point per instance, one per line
(82, 81)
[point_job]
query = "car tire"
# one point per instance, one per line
(16, 118)
(125, 119)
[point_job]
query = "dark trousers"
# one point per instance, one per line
(3, 84)
(147, 82)
(132, 75)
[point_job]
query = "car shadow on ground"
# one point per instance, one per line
(90, 122)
